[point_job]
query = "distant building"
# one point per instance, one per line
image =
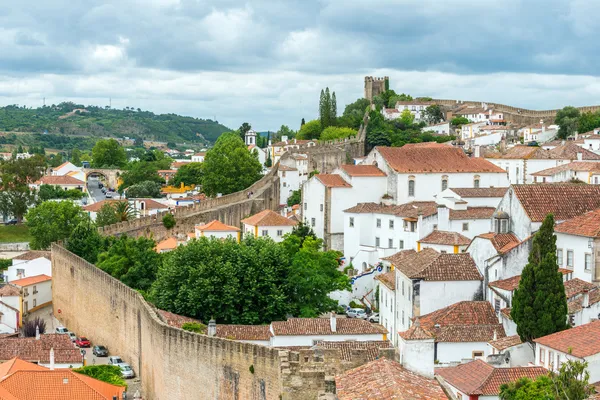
(375, 86)
(268, 223)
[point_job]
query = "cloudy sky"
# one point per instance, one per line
(265, 62)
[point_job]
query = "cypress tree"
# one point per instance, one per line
(333, 109)
(302, 123)
(327, 110)
(539, 304)
(322, 109)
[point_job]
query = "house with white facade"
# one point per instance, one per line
(146, 206)
(510, 351)
(416, 107)
(417, 172)
(10, 308)
(444, 242)
(289, 181)
(441, 128)
(580, 343)
(476, 197)
(268, 223)
(36, 292)
(261, 154)
(390, 113)
(521, 162)
(477, 380)
(538, 132)
(325, 196)
(29, 264)
(580, 171)
(472, 130)
(217, 229)
(48, 350)
(276, 150)
(448, 336)
(64, 182)
(64, 169)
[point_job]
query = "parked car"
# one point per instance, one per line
(72, 336)
(109, 195)
(126, 371)
(11, 222)
(100, 351)
(356, 313)
(373, 317)
(82, 342)
(61, 330)
(115, 360)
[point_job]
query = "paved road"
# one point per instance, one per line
(95, 192)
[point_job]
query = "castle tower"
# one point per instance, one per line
(375, 86)
(251, 137)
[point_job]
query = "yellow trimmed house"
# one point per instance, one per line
(268, 223)
(444, 242)
(217, 230)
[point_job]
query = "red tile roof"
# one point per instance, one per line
(433, 158)
(446, 238)
(30, 349)
(268, 218)
(59, 180)
(564, 200)
(362, 170)
(502, 242)
(505, 343)
(582, 166)
(512, 283)
(33, 254)
(581, 341)
(570, 151)
(388, 279)
(216, 226)
(347, 347)
(587, 224)
(575, 304)
(99, 204)
(322, 326)
(333, 180)
(408, 210)
(416, 332)
(430, 265)
(9, 290)
(465, 321)
(480, 192)
(577, 286)
(32, 280)
(150, 204)
(16, 364)
(472, 213)
(166, 244)
(479, 378)
(386, 379)
(244, 332)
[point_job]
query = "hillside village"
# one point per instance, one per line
(443, 267)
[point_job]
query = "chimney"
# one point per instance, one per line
(585, 303)
(52, 358)
(495, 335)
(477, 152)
(579, 156)
(212, 327)
(37, 332)
(443, 214)
(332, 322)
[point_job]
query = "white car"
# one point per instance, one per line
(126, 371)
(61, 330)
(356, 313)
(72, 336)
(373, 317)
(115, 360)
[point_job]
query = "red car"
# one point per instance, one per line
(82, 342)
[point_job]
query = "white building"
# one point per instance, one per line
(472, 130)
(65, 182)
(64, 169)
(537, 132)
(268, 223)
(441, 128)
(36, 292)
(29, 264)
(448, 336)
(581, 171)
(510, 351)
(444, 242)
(277, 149)
(416, 107)
(479, 380)
(145, 206)
(10, 308)
(250, 137)
(476, 197)
(199, 157)
(218, 230)
(579, 343)
(289, 181)
(261, 154)
(390, 113)
(48, 350)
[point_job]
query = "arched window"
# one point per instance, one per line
(411, 186)
(444, 182)
(476, 181)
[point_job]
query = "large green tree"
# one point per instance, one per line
(588, 121)
(144, 189)
(52, 221)
(310, 130)
(354, 113)
(106, 215)
(138, 172)
(133, 261)
(85, 241)
(188, 174)
(108, 153)
(245, 127)
(229, 166)
(76, 157)
(327, 108)
(105, 373)
(567, 120)
(539, 304)
(15, 176)
(434, 114)
(336, 132)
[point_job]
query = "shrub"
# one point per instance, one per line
(354, 304)
(105, 373)
(194, 327)
(30, 325)
(169, 221)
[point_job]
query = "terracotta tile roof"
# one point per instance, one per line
(362, 170)
(447, 238)
(322, 326)
(386, 379)
(472, 213)
(268, 218)
(31, 383)
(216, 226)
(506, 342)
(286, 168)
(502, 242)
(506, 312)
(470, 111)
(480, 192)
(150, 204)
(433, 158)
(570, 151)
(576, 286)
(587, 224)
(348, 346)
(521, 152)
(16, 364)
(333, 180)
(62, 165)
(509, 284)
(9, 290)
(408, 210)
(416, 102)
(465, 321)
(575, 304)
(430, 265)
(30, 349)
(388, 279)
(167, 171)
(479, 378)
(244, 332)
(581, 341)
(415, 332)
(59, 180)
(175, 320)
(166, 244)
(99, 204)
(33, 254)
(582, 166)
(564, 200)
(32, 280)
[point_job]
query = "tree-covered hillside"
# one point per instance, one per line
(75, 119)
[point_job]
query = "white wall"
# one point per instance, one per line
(579, 246)
(24, 269)
(417, 356)
(313, 197)
(387, 300)
(439, 294)
(274, 232)
(289, 181)
(404, 301)
(442, 248)
(520, 224)
(217, 234)
(593, 361)
(448, 352)
(43, 295)
(476, 227)
(307, 340)
(9, 319)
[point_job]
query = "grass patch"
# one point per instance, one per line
(14, 233)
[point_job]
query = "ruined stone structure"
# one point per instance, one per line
(111, 175)
(374, 86)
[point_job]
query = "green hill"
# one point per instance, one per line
(69, 121)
